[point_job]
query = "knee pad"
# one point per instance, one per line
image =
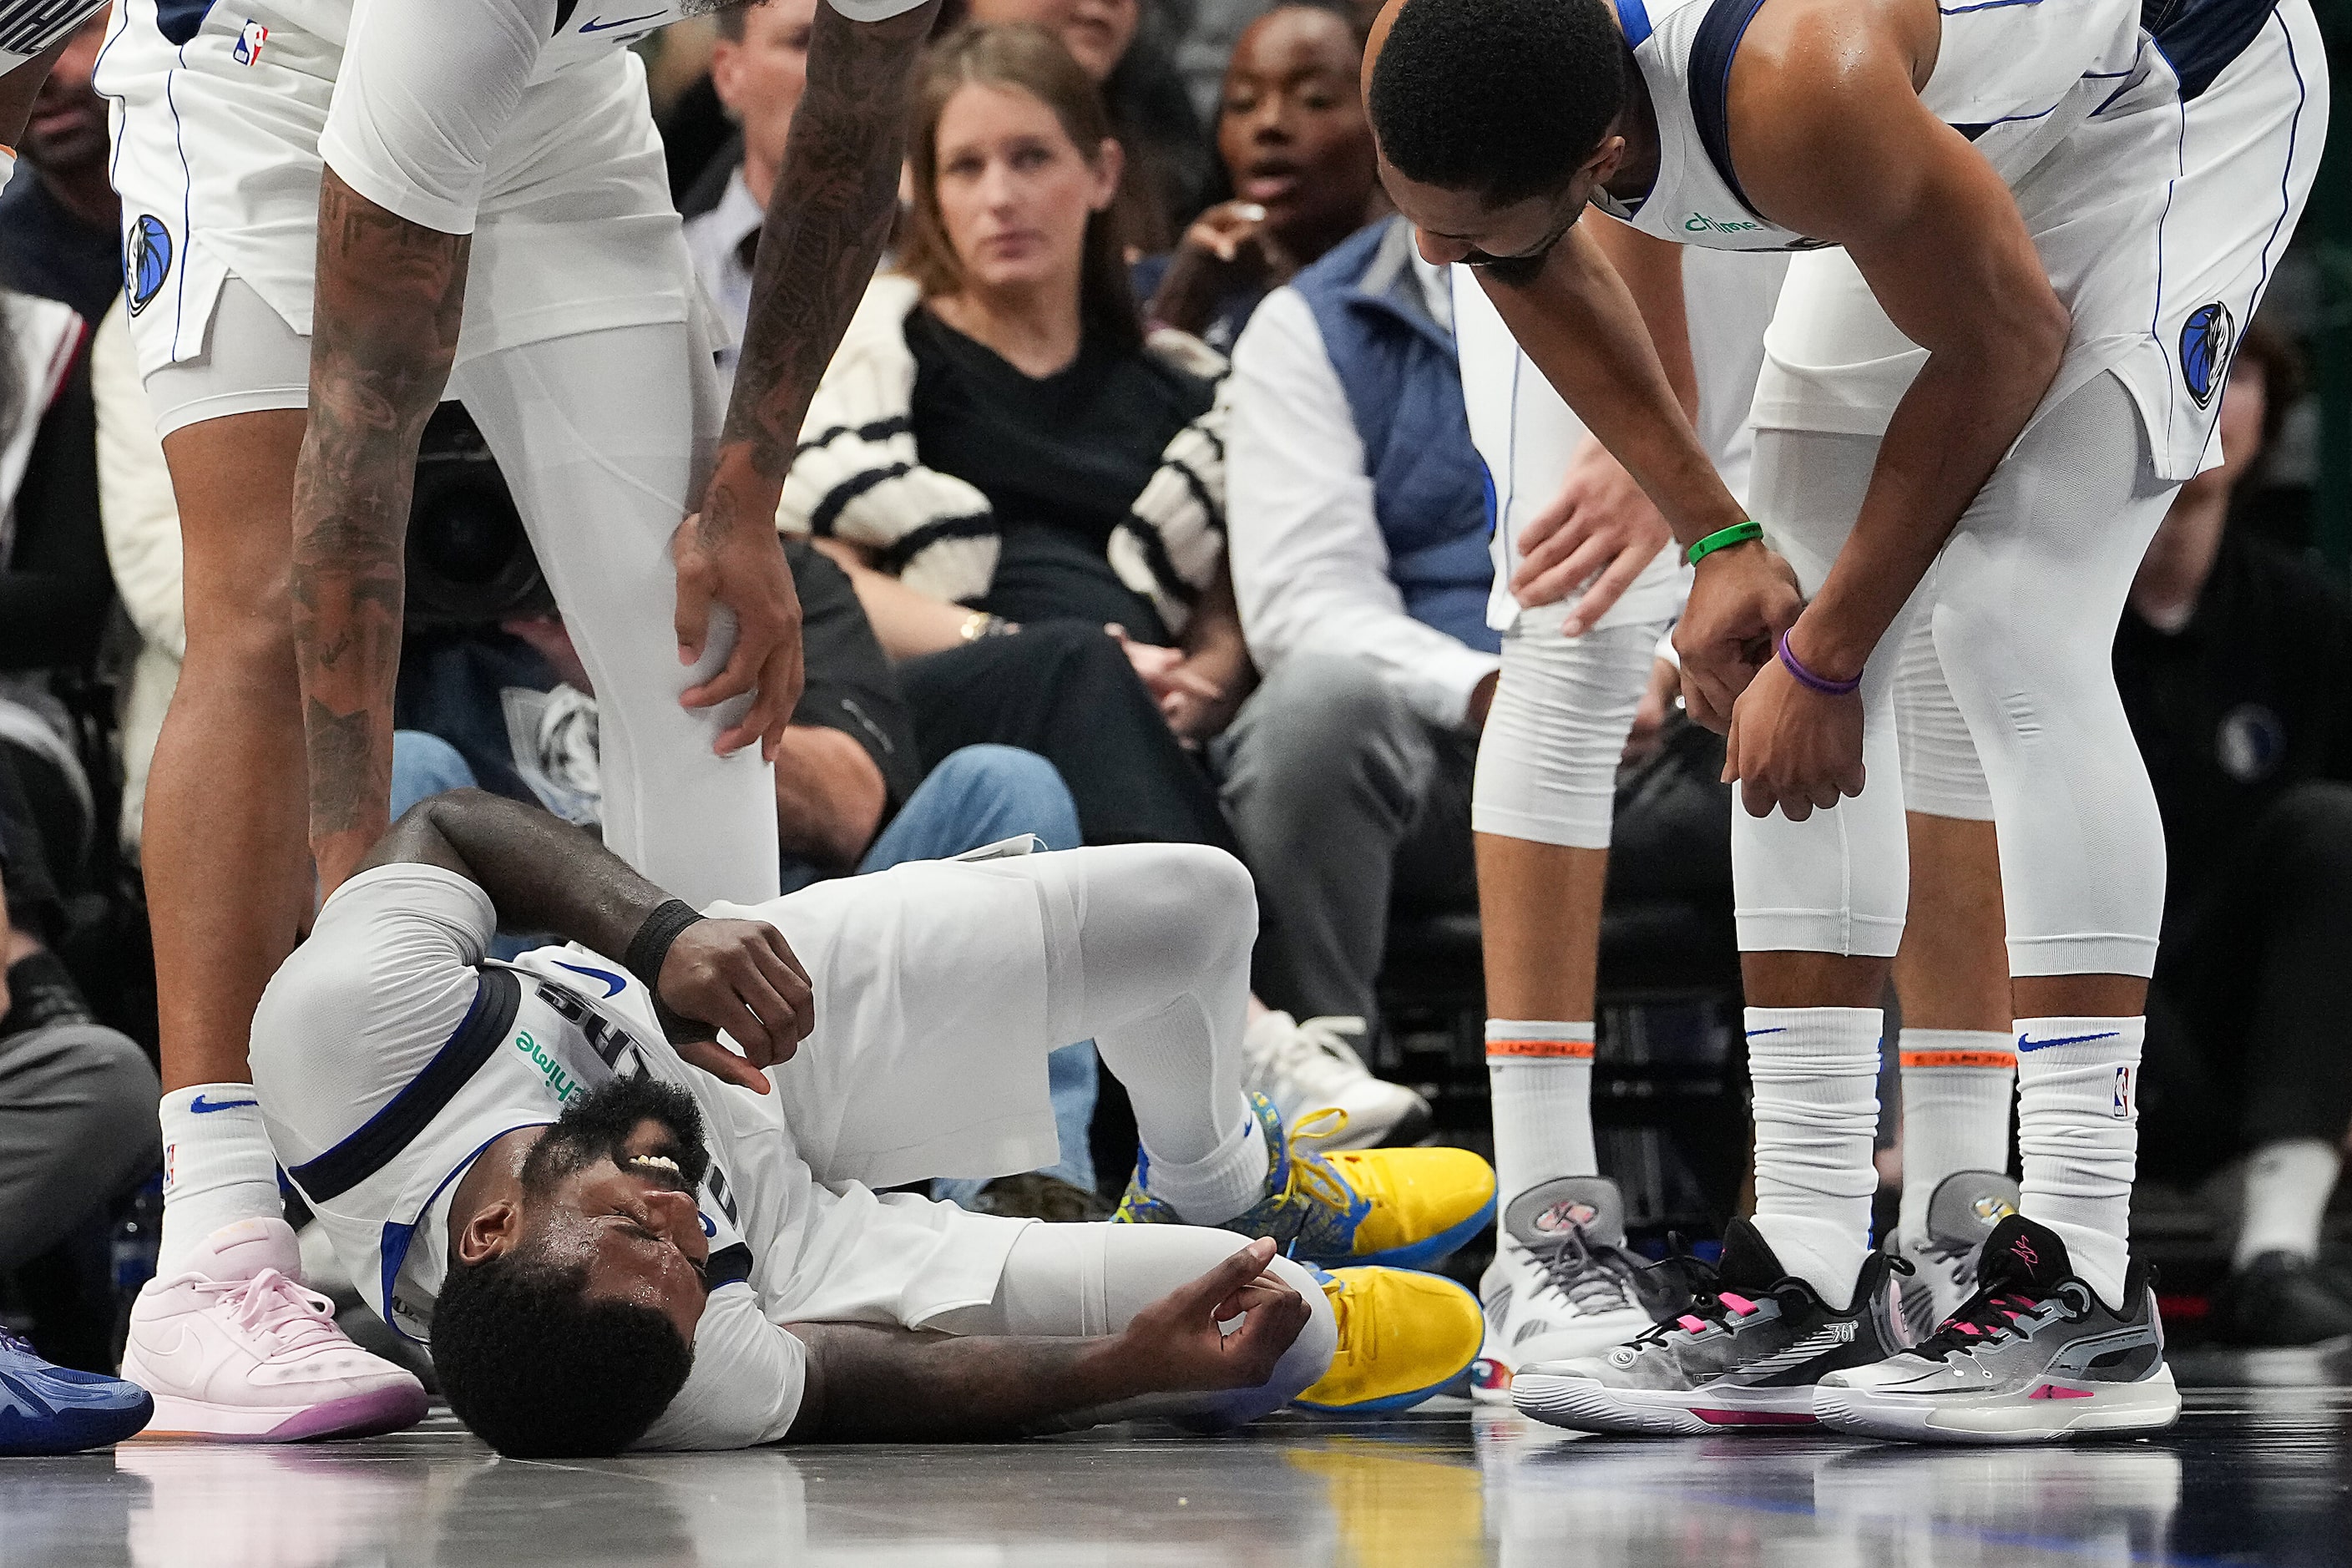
(1941, 775)
(1547, 761)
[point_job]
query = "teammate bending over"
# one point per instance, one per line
(610, 1240)
(2051, 222)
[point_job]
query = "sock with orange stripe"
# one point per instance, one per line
(1540, 1074)
(1956, 1097)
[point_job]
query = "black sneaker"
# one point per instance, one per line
(2034, 1356)
(2279, 1299)
(1747, 1354)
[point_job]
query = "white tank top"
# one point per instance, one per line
(2015, 77)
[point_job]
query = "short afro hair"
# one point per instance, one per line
(538, 1371)
(1503, 98)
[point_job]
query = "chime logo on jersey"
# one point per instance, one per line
(2206, 339)
(146, 258)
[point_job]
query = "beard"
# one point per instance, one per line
(599, 1124)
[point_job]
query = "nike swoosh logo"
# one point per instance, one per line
(598, 23)
(2024, 1043)
(203, 1107)
(613, 982)
(1752, 1034)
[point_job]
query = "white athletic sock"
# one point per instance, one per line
(1956, 1099)
(1539, 1079)
(1213, 1189)
(217, 1169)
(1815, 1076)
(2287, 1187)
(2078, 1134)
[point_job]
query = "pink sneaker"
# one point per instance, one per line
(235, 1350)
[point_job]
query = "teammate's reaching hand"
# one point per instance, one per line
(1597, 534)
(1741, 600)
(740, 976)
(740, 563)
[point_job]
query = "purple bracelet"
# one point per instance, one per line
(1790, 662)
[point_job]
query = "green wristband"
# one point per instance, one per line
(1739, 532)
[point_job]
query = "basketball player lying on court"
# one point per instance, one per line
(613, 1240)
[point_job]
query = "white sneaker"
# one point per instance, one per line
(1961, 1213)
(1303, 1068)
(235, 1350)
(1561, 1285)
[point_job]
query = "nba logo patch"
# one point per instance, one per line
(2123, 1109)
(2206, 339)
(146, 259)
(249, 39)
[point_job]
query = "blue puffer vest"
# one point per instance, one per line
(1397, 365)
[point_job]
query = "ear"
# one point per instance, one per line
(1605, 160)
(726, 56)
(493, 1230)
(1110, 162)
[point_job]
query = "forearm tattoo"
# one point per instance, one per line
(384, 332)
(827, 222)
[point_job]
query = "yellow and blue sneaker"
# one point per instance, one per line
(1408, 1208)
(1403, 1336)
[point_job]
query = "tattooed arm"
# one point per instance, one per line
(384, 328)
(827, 222)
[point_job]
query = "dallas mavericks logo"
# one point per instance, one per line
(146, 258)
(2206, 341)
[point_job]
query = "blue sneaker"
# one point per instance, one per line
(47, 1409)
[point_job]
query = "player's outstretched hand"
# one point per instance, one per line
(740, 976)
(1741, 600)
(1174, 1344)
(1596, 535)
(1794, 748)
(740, 567)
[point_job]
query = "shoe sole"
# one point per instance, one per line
(2108, 1410)
(1583, 1406)
(1421, 1254)
(71, 1430)
(369, 1414)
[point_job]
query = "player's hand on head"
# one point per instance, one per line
(740, 567)
(1175, 1344)
(1791, 748)
(1597, 534)
(1741, 600)
(740, 976)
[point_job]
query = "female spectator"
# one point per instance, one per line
(1170, 170)
(1297, 153)
(1006, 467)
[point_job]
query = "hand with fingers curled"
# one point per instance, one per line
(1741, 599)
(1175, 1344)
(740, 976)
(740, 567)
(1795, 744)
(1596, 535)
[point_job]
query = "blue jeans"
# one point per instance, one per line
(976, 795)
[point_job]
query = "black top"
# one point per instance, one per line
(850, 685)
(2254, 694)
(46, 250)
(1061, 458)
(55, 583)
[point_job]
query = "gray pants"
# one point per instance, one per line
(1343, 799)
(77, 1127)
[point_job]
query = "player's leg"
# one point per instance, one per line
(1377, 1338)
(1820, 911)
(1560, 1284)
(602, 438)
(229, 887)
(1148, 954)
(1959, 1057)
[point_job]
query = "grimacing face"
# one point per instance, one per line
(1510, 241)
(610, 1188)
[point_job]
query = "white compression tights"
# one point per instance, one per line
(2022, 609)
(604, 439)
(1547, 761)
(1067, 1280)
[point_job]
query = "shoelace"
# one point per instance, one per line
(1585, 1276)
(271, 1304)
(1311, 1176)
(1711, 1305)
(1358, 1329)
(1997, 1310)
